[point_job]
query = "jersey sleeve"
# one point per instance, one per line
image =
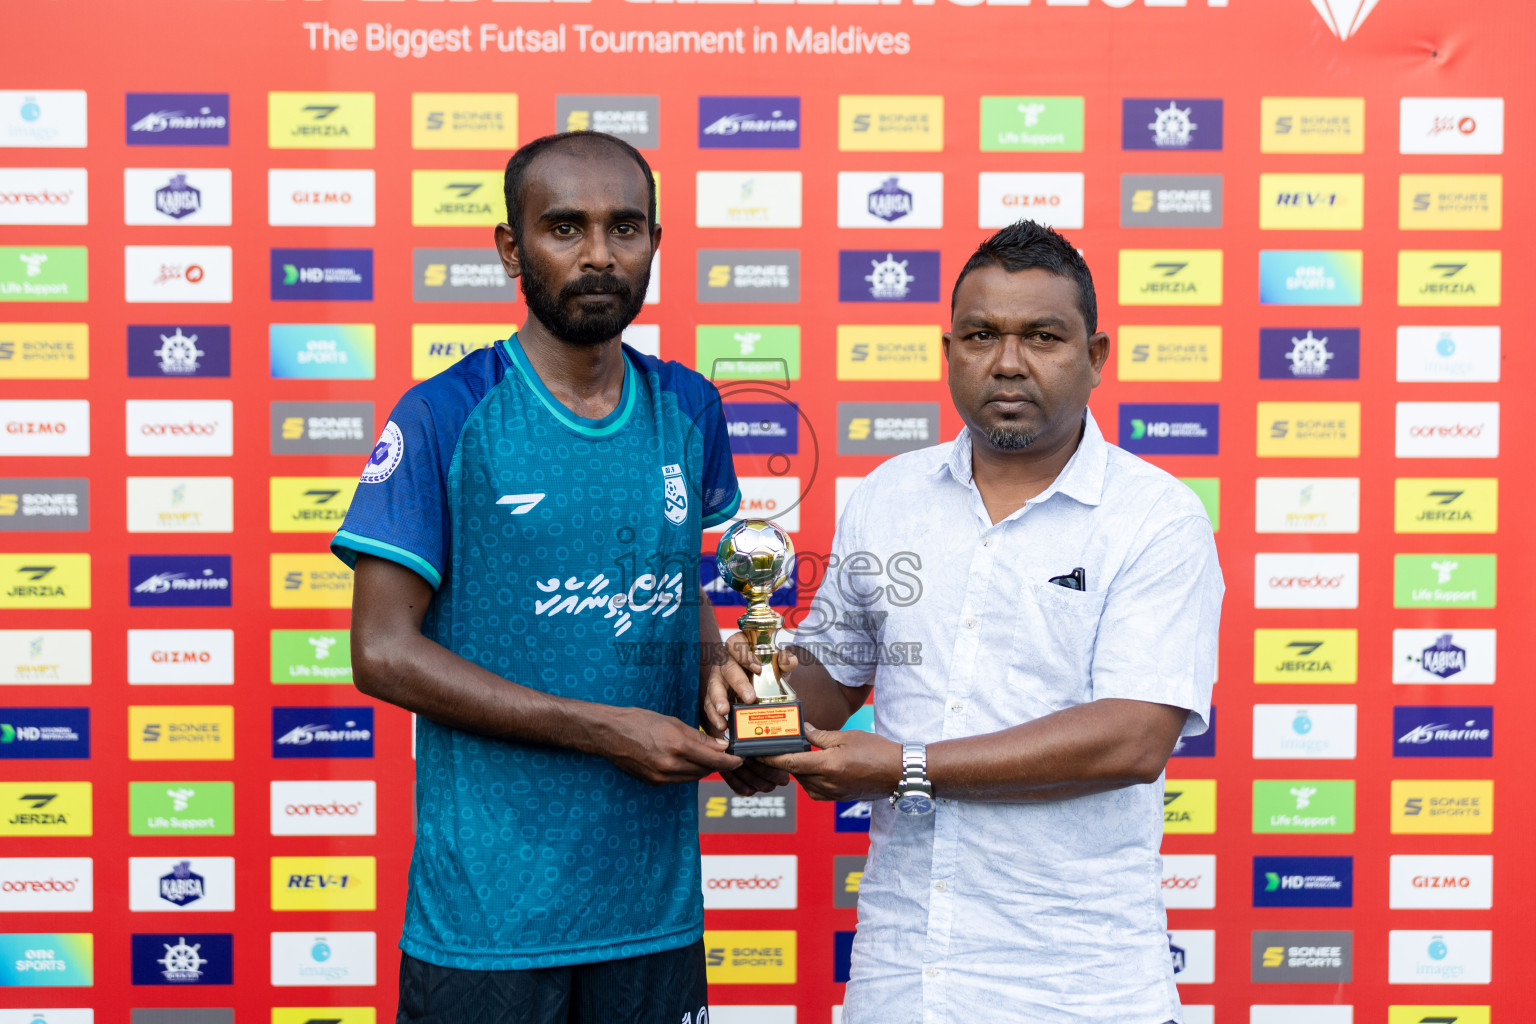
(718, 485)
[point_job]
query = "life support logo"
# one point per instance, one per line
(387, 454)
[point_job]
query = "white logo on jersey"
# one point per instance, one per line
(649, 593)
(521, 504)
(385, 456)
(674, 494)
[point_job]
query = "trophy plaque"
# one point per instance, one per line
(754, 558)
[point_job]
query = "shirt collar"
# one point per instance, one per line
(1082, 479)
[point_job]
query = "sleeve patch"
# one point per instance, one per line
(386, 455)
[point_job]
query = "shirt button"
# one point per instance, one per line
(932, 972)
(940, 886)
(986, 542)
(957, 705)
(970, 623)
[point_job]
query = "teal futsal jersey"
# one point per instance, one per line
(564, 553)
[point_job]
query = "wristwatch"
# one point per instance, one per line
(914, 793)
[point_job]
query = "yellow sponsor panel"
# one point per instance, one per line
(1191, 352)
(1442, 806)
(469, 199)
(181, 732)
(320, 120)
(1446, 505)
(1306, 655)
(1311, 202)
(1450, 202)
(750, 957)
(45, 581)
(45, 351)
(890, 124)
(464, 120)
(45, 808)
(1312, 124)
(1189, 806)
(1440, 1014)
(888, 352)
(435, 347)
(310, 504)
(1170, 277)
(1449, 277)
(1309, 430)
(310, 581)
(324, 883)
(328, 1014)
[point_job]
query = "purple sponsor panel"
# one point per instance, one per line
(763, 428)
(179, 581)
(1309, 353)
(178, 350)
(749, 122)
(888, 275)
(1169, 429)
(178, 119)
(1170, 124)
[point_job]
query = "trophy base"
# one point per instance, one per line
(764, 729)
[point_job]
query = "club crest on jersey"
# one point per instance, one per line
(674, 494)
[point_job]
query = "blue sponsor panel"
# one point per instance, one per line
(179, 581)
(178, 350)
(1169, 429)
(329, 275)
(1459, 731)
(1309, 353)
(842, 956)
(722, 595)
(852, 816)
(322, 732)
(1303, 881)
(321, 351)
(1170, 124)
(36, 733)
(1310, 277)
(763, 428)
(178, 119)
(749, 122)
(183, 958)
(888, 275)
(1203, 745)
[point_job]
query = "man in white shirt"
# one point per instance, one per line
(1066, 620)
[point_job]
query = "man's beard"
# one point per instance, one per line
(583, 328)
(1010, 439)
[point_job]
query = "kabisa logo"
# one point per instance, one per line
(890, 202)
(888, 275)
(386, 455)
(178, 350)
(344, 275)
(749, 122)
(890, 199)
(1181, 124)
(1170, 429)
(1303, 881)
(182, 886)
(44, 733)
(1443, 658)
(1344, 17)
(322, 732)
(1442, 731)
(183, 959)
(1170, 277)
(179, 581)
(178, 119)
(176, 199)
(1309, 353)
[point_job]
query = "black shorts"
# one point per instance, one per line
(662, 988)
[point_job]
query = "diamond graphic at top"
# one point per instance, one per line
(1344, 17)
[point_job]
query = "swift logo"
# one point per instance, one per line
(521, 504)
(1344, 17)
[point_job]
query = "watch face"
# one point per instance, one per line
(914, 803)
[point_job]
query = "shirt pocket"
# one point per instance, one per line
(1051, 659)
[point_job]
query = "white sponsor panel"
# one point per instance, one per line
(1439, 957)
(751, 1014)
(178, 273)
(1306, 580)
(51, 1015)
(644, 338)
(42, 118)
(181, 882)
(1447, 430)
(767, 497)
(1205, 1014)
(653, 286)
(748, 199)
(324, 958)
(1451, 124)
(768, 882)
(181, 656)
(45, 885)
(1441, 882)
(845, 485)
(1189, 881)
(1306, 504)
(1439, 354)
(1053, 199)
(180, 427)
(1444, 656)
(890, 199)
(178, 196)
(1304, 731)
(43, 195)
(332, 807)
(60, 426)
(181, 504)
(1197, 950)
(1296, 1013)
(324, 198)
(53, 657)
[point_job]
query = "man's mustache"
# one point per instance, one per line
(595, 284)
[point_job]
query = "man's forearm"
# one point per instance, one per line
(1091, 748)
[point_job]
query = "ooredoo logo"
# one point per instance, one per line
(1189, 880)
(330, 808)
(42, 195)
(180, 427)
(1447, 430)
(33, 884)
(333, 808)
(752, 882)
(1306, 580)
(755, 882)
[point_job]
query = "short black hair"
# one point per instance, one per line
(515, 186)
(1025, 245)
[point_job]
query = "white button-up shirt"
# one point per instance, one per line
(1035, 913)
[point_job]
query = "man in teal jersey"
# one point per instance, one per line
(526, 536)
